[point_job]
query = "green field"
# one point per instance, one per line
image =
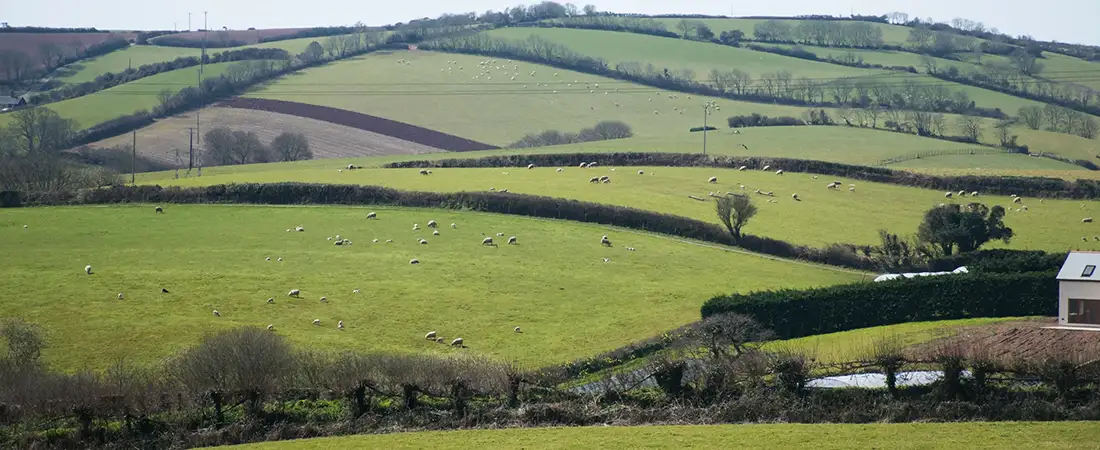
(1070, 70)
(976, 435)
(891, 34)
(855, 345)
(554, 284)
(139, 55)
(701, 57)
(822, 217)
(123, 99)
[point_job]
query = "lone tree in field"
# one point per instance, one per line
(735, 211)
(291, 147)
(965, 228)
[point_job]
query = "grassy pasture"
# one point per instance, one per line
(126, 98)
(891, 34)
(701, 57)
(822, 217)
(554, 284)
(977, 435)
(138, 55)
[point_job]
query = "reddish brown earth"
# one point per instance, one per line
(160, 140)
(29, 43)
(380, 125)
(1025, 340)
(248, 36)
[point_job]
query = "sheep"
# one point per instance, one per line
(423, 171)
(560, 169)
(267, 259)
(713, 180)
(354, 291)
(159, 210)
(457, 342)
(594, 180)
(271, 300)
(949, 194)
(389, 241)
(120, 296)
(795, 197)
(962, 193)
(295, 293)
(832, 186)
(851, 189)
(592, 164)
(271, 327)
(454, 226)
(432, 224)
(605, 179)
(423, 242)
(974, 194)
(605, 241)
(503, 191)
(767, 168)
(217, 314)
(317, 322)
(372, 215)
(435, 233)
(338, 243)
(439, 340)
(375, 241)
(299, 228)
(88, 269)
(416, 226)
(607, 260)
(742, 168)
(530, 166)
(641, 172)
(280, 259)
(429, 171)
(779, 172)
(1018, 200)
(340, 325)
(487, 241)
(1086, 220)
(414, 261)
(517, 330)
(430, 336)
(324, 299)
(512, 241)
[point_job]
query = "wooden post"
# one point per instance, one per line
(133, 159)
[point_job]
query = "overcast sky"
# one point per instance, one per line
(1062, 20)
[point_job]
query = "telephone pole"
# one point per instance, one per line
(133, 159)
(190, 148)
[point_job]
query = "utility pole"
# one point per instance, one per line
(133, 159)
(190, 148)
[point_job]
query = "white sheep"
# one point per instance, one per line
(423, 171)
(217, 314)
(560, 169)
(271, 300)
(962, 193)
(416, 226)
(767, 168)
(713, 180)
(530, 166)
(794, 196)
(779, 172)
(605, 179)
(517, 330)
(641, 172)
(487, 241)
(271, 327)
(120, 296)
(742, 168)
(500, 234)
(974, 194)
(605, 241)
(280, 259)
(512, 241)
(1085, 220)
(592, 164)
(457, 342)
(851, 189)
(267, 259)
(430, 336)
(1018, 200)
(354, 291)
(159, 210)
(423, 242)
(317, 322)
(372, 215)
(435, 233)
(594, 180)
(949, 194)
(454, 226)
(432, 224)
(324, 299)
(295, 293)
(88, 269)
(414, 261)
(299, 229)
(340, 325)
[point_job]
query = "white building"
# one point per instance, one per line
(1079, 290)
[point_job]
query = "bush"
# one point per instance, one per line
(758, 120)
(798, 313)
(603, 131)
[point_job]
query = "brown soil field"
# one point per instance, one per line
(1023, 340)
(29, 43)
(247, 36)
(327, 140)
(361, 121)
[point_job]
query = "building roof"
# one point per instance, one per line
(1077, 267)
(5, 100)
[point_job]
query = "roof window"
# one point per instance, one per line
(1088, 271)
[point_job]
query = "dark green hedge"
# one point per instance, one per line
(1022, 186)
(798, 313)
(1001, 261)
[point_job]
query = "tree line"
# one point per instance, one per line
(18, 67)
(605, 130)
(32, 158)
(225, 147)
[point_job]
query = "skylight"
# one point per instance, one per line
(1088, 271)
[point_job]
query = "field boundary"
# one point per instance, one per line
(952, 152)
(366, 122)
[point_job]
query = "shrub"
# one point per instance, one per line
(797, 313)
(603, 131)
(758, 120)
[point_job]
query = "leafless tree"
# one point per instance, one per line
(1004, 132)
(1032, 116)
(930, 64)
(734, 211)
(841, 89)
(164, 96)
(873, 113)
(970, 126)
(39, 130)
(50, 54)
(739, 81)
(291, 147)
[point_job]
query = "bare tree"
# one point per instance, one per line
(930, 64)
(970, 126)
(16, 64)
(842, 90)
(50, 54)
(1086, 126)
(739, 80)
(291, 147)
(247, 148)
(735, 211)
(39, 130)
(219, 146)
(590, 10)
(1004, 132)
(872, 114)
(164, 96)
(1032, 116)
(1025, 62)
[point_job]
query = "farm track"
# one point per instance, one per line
(374, 124)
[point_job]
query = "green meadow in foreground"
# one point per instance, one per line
(555, 284)
(822, 217)
(998, 435)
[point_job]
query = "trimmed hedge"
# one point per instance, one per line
(1023, 186)
(798, 313)
(1001, 261)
